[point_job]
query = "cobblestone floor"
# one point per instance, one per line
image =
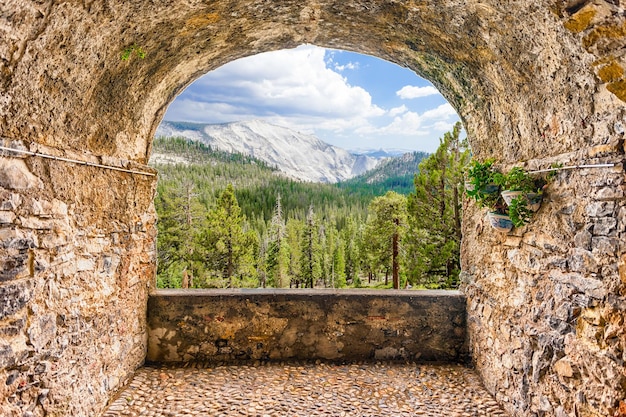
(383, 389)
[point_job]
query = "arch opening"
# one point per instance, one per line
(534, 84)
(360, 102)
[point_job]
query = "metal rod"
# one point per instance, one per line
(75, 161)
(572, 167)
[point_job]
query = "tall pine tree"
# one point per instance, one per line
(386, 224)
(435, 213)
(228, 250)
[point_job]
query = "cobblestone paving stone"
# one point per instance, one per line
(372, 389)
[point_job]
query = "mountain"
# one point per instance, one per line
(299, 155)
(380, 153)
(390, 174)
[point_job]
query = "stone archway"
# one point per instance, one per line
(534, 82)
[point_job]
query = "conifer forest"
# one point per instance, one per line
(231, 221)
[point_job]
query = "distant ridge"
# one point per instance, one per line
(298, 155)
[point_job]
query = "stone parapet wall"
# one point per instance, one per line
(76, 257)
(344, 325)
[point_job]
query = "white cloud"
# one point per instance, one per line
(348, 66)
(397, 110)
(421, 131)
(302, 89)
(410, 91)
(294, 83)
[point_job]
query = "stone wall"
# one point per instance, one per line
(546, 317)
(546, 302)
(76, 246)
(345, 325)
(534, 82)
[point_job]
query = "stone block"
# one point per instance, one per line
(581, 260)
(13, 327)
(602, 245)
(7, 358)
(37, 223)
(604, 226)
(10, 201)
(7, 217)
(14, 264)
(609, 193)
(582, 240)
(15, 175)
(563, 367)
(42, 331)
(16, 296)
(85, 264)
(600, 208)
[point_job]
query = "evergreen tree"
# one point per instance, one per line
(385, 228)
(310, 269)
(294, 230)
(179, 222)
(435, 213)
(228, 250)
(277, 255)
(338, 272)
(351, 238)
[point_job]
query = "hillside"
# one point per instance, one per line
(257, 185)
(300, 156)
(390, 174)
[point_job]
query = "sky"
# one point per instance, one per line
(350, 100)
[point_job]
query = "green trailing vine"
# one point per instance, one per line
(519, 212)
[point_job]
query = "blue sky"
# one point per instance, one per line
(350, 100)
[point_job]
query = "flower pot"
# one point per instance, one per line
(534, 201)
(500, 222)
(490, 189)
(508, 196)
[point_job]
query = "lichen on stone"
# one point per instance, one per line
(611, 72)
(580, 21)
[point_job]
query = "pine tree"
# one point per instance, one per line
(310, 269)
(179, 222)
(351, 238)
(385, 228)
(228, 250)
(277, 255)
(435, 213)
(294, 230)
(339, 264)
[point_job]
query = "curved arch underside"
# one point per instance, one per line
(535, 82)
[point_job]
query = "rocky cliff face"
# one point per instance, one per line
(535, 82)
(300, 156)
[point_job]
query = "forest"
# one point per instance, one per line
(231, 221)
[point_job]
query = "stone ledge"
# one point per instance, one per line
(335, 325)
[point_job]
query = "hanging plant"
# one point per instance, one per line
(481, 184)
(512, 197)
(519, 211)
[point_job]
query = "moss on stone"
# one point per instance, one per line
(580, 21)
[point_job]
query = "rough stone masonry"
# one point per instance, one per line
(535, 82)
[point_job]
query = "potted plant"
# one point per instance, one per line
(515, 183)
(499, 218)
(480, 184)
